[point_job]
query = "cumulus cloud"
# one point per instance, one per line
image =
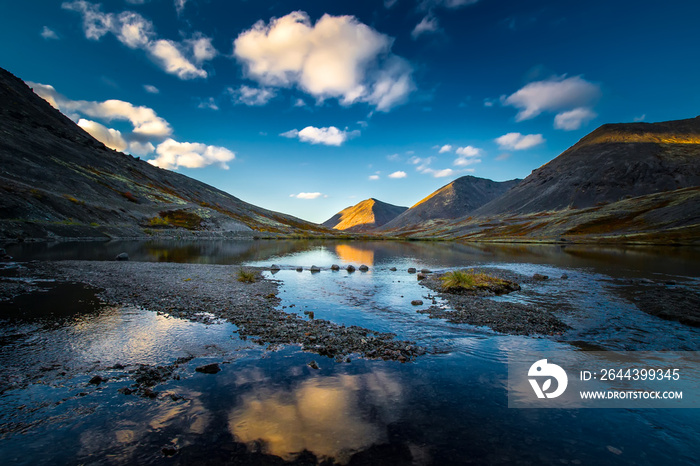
(427, 24)
(573, 119)
(145, 120)
(49, 34)
(183, 59)
(445, 148)
(517, 141)
(141, 148)
(467, 156)
(398, 174)
(569, 98)
(107, 136)
(172, 155)
(307, 195)
(252, 96)
(330, 136)
(151, 89)
(338, 57)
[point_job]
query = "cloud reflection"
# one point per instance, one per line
(332, 417)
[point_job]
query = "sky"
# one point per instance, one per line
(307, 107)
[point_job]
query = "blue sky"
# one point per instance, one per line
(307, 107)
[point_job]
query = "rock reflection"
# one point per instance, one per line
(332, 417)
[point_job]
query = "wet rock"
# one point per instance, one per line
(393, 269)
(538, 276)
(300, 269)
(96, 380)
(313, 365)
(169, 450)
(274, 267)
(148, 393)
(411, 270)
(125, 391)
(315, 269)
(425, 271)
(310, 314)
(335, 267)
(564, 276)
(417, 302)
(350, 268)
(122, 257)
(364, 268)
(212, 368)
(421, 276)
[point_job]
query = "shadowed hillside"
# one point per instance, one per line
(454, 200)
(614, 162)
(364, 216)
(58, 181)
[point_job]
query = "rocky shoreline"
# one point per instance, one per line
(203, 293)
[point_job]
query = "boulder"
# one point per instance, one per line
(538, 276)
(212, 368)
(421, 276)
(393, 269)
(564, 276)
(425, 271)
(364, 268)
(315, 269)
(335, 267)
(300, 269)
(122, 257)
(411, 270)
(350, 268)
(417, 302)
(274, 267)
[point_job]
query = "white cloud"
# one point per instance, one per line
(338, 57)
(330, 136)
(107, 136)
(445, 148)
(180, 6)
(183, 59)
(49, 34)
(427, 24)
(173, 154)
(307, 195)
(393, 157)
(209, 103)
(573, 119)
(517, 141)
(141, 148)
(558, 94)
(439, 173)
(468, 151)
(373, 177)
(151, 89)
(299, 103)
(467, 156)
(251, 96)
(641, 117)
(398, 174)
(145, 120)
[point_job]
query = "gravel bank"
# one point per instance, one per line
(501, 316)
(208, 292)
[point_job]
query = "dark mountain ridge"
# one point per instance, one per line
(456, 199)
(57, 181)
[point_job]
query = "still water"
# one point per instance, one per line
(269, 406)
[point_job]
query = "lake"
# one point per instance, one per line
(269, 406)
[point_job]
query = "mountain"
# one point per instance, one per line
(456, 199)
(364, 216)
(58, 181)
(614, 162)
